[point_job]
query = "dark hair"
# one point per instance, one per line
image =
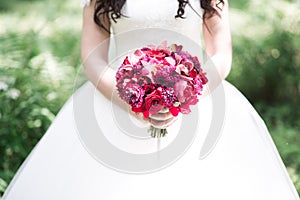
(112, 8)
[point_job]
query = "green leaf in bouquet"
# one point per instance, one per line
(176, 104)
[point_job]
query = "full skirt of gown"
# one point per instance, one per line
(244, 163)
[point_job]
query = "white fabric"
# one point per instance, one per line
(85, 3)
(243, 165)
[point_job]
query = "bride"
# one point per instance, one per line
(97, 148)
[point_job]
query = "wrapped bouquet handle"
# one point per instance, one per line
(156, 77)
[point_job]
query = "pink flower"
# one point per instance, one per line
(166, 77)
(193, 73)
(203, 78)
(198, 86)
(185, 107)
(126, 69)
(169, 97)
(135, 57)
(179, 90)
(132, 94)
(182, 69)
(177, 58)
(155, 77)
(188, 64)
(170, 61)
(154, 101)
(156, 54)
(190, 98)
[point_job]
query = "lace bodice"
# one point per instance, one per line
(143, 14)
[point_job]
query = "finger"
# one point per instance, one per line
(141, 118)
(174, 119)
(161, 116)
(162, 123)
(164, 110)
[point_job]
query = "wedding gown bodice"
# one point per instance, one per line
(160, 14)
(147, 22)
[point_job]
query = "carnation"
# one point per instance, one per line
(132, 94)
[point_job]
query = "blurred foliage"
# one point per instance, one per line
(266, 68)
(40, 56)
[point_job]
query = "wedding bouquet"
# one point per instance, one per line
(160, 77)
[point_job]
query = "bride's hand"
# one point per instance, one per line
(162, 119)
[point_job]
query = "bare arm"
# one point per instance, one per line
(94, 54)
(217, 38)
(95, 41)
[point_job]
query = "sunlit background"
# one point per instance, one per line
(40, 57)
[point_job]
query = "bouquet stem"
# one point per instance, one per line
(157, 132)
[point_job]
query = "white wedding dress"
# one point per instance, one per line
(221, 150)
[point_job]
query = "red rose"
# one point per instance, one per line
(154, 101)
